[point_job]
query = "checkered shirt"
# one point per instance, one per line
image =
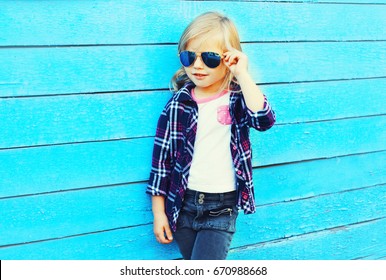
(174, 147)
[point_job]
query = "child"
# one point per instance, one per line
(201, 170)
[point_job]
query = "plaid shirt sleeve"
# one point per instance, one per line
(261, 120)
(159, 181)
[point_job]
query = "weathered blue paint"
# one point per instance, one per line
(136, 22)
(81, 118)
(123, 206)
(318, 216)
(122, 161)
(112, 69)
(78, 110)
(360, 241)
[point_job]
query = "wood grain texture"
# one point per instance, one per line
(295, 219)
(81, 118)
(80, 98)
(358, 241)
(116, 162)
(84, 211)
(349, 242)
(45, 71)
(136, 22)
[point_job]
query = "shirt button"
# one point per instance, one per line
(239, 172)
(234, 147)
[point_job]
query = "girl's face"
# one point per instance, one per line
(207, 80)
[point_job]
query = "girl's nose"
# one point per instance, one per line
(198, 63)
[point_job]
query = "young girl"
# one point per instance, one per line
(201, 170)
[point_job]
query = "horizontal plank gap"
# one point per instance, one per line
(73, 190)
(74, 143)
(144, 137)
(83, 46)
(317, 159)
(323, 81)
(362, 257)
(175, 44)
(296, 2)
(261, 205)
(71, 236)
(82, 93)
(167, 89)
(320, 195)
(313, 41)
(335, 119)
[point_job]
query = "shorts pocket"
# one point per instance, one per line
(223, 218)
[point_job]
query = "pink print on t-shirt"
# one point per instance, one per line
(223, 115)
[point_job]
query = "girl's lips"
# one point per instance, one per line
(199, 76)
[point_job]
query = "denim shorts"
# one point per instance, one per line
(206, 224)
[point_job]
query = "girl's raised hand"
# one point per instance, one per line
(236, 61)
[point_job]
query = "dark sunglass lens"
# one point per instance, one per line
(187, 58)
(211, 59)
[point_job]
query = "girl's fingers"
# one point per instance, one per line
(169, 234)
(164, 237)
(231, 58)
(236, 61)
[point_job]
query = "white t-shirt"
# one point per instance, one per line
(212, 169)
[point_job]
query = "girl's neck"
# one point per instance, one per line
(199, 93)
(207, 97)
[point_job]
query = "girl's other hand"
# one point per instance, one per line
(161, 229)
(236, 61)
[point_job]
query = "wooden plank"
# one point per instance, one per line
(334, 212)
(59, 215)
(328, 100)
(50, 168)
(123, 244)
(284, 220)
(45, 71)
(352, 243)
(128, 22)
(333, 2)
(361, 241)
(297, 142)
(320, 177)
(69, 213)
(105, 207)
(79, 118)
(95, 164)
(312, 178)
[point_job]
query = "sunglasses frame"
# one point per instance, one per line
(204, 60)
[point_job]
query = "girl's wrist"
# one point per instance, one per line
(242, 75)
(158, 213)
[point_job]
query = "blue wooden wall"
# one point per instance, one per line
(82, 84)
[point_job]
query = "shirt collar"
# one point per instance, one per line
(184, 93)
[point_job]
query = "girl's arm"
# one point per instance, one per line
(253, 97)
(161, 226)
(237, 62)
(160, 179)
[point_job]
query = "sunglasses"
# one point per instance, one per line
(211, 59)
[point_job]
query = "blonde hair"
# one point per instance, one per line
(205, 26)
